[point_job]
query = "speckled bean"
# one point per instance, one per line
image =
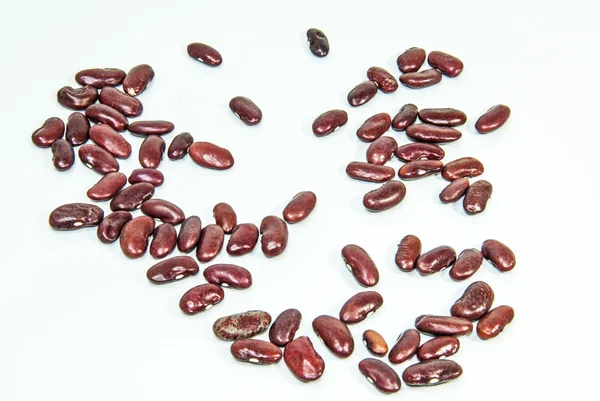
(189, 234)
(110, 228)
(256, 351)
(370, 172)
(385, 197)
(210, 155)
(138, 79)
(443, 325)
(210, 243)
(467, 264)
(172, 269)
(317, 42)
(335, 335)
(383, 79)
(63, 155)
(180, 146)
(227, 275)
(284, 328)
(77, 98)
(78, 127)
(303, 360)
(98, 159)
(408, 252)
(477, 197)
(164, 239)
(360, 265)
(110, 140)
(360, 306)
(436, 260)
(73, 216)
(406, 346)
(241, 325)
(455, 190)
(243, 239)
(51, 131)
(135, 235)
(362, 93)
(201, 298)
(300, 207)
(405, 117)
(107, 187)
(475, 302)
(151, 151)
(499, 255)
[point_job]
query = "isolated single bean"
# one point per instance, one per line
(225, 217)
(463, 167)
(256, 351)
(63, 155)
(138, 79)
(317, 42)
(149, 175)
(455, 190)
(78, 127)
(274, 236)
(383, 79)
(163, 210)
(51, 131)
(381, 150)
(329, 122)
(103, 114)
(477, 197)
(300, 207)
(284, 328)
(132, 197)
(204, 54)
(385, 197)
(420, 151)
(107, 187)
(436, 260)
(73, 216)
(370, 172)
(439, 347)
(241, 325)
(189, 234)
(467, 264)
(361, 265)
(411, 60)
(210, 244)
(243, 239)
(448, 65)
(303, 360)
(154, 127)
(180, 146)
(375, 343)
(405, 117)
(409, 250)
(362, 93)
(121, 101)
(110, 140)
(443, 325)
(374, 127)
(499, 255)
(335, 335)
(444, 117)
(246, 110)
(201, 298)
(164, 240)
(492, 119)
(494, 322)
(172, 269)
(110, 227)
(77, 98)
(100, 77)
(378, 373)
(419, 169)
(360, 306)
(431, 372)
(432, 133)
(227, 275)
(135, 235)
(210, 155)
(421, 79)
(475, 302)
(406, 346)
(98, 159)
(151, 151)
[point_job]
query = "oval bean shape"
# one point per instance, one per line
(63, 155)
(172, 269)
(411, 60)
(436, 260)
(475, 302)
(138, 79)
(107, 187)
(180, 146)
(406, 346)
(256, 351)
(317, 42)
(464, 167)
(405, 117)
(431, 372)
(227, 275)
(121, 101)
(444, 117)
(201, 298)
(492, 119)
(370, 172)
(98, 159)
(243, 239)
(134, 236)
(246, 110)
(189, 234)
(132, 197)
(51, 131)
(241, 325)
(210, 244)
(467, 264)
(383, 79)
(374, 127)
(381, 150)
(420, 151)
(78, 127)
(375, 343)
(110, 140)
(210, 155)
(432, 133)
(225, 217)
(73, 216)
(300, 207)
(163, 210)
(443, 325)
(360, 306)
(378, 373)
(77, 98)
(335, 335)
(274, 236)
(361, 265)
(385, 197)
(100, 77)
(494, 322)
(455, 190)
(477, 197)
(448, 65)
(204, 54)
(151, 151)
(408, 252)
(419, 169)
(439, 347)
(103, 114)
(499, 255)
(110, 228)
(164, 239)
(284, 328)
(154, 127)
(303, 360)
(421, 79)
(362, 93)
(329, 122)
(149, 175)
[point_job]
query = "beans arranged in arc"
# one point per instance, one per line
(201, 298)
(385, 197)
(499, 255)
(243, 239)
(329, 122)
(78, 127)
(382, 376)
(241, 325)
(189, 234)
(132, 197)
(227, 275)
(138, 79)
(421, 79)
(455, 190)
(205, 54)
(100, 77)
(467, 264)
(180, 146)
(98, 159)
(154, 127)
(107, 187)
(360, 306)
(110, 227)
(411, 60)
(409, 250)
(63, 155)
(301, 205)
(477, 197)
(246, 110)
(51, 131)
(172, 269)
(135, 235)
(492, 119)
(406, 346)
(383, 79)
(335, 335)
(317, 42)
(362, 93)
(164, 240)
(77, 98)
(284, 327)
(149, 175)
(225, 217)
(210, 243)
(360, 265)
(431, 372)
(405, 117)
(374, 127)
(210, 155)
(375, 342)
(73, 216)
(110, 140)
(274, 238)
(370, 172)
(303, 360)
(103, 114)
(151, 151)
(256, 351)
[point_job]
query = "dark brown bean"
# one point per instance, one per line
(492, 119)
(406, 346)
(360, 306)
(201, 298)
(381, 150)
(210, 155)
(121, 101)
(256, 351)
(431, 372)
(210, 244)
(361, 265)
(134, 236)
(335, 335)
(420, 151)
(172, 269)
(443, 325)
(154, 127)
(467, 264)
(98, 159)
(419, 169)
(409, 250)
(374, 127)
(225, 217)
(317, 42)
(163, 210)
(243, 239)
(370, 172)
(405, 117)
(132, 197)
(241, 325)
(499, 255)
(149, 175)
(274, 236)
(375, 343)
(205, 54)
(285, 326)
(455, 190)
(151, 151)
(110, 228)
(300, 207)
(421, 79)
(100, 77)
(438, 348)
(78, 127)
(110, 140)
(77, 98)
(444, 117)
(383, 79)
(329, 122)
(448, 65)
(227, 275)
(477, 197)
(494, 322)
(246, 110)
(378, 373)
(432, 133)
(362, 93)
(475, 302)
(107, 187)
(436, 260)
(180, 146)
(385, 197)
(303, 360)
(463, 167)
(73, 216)
(164, 240)
(138, 79)
(63, 155)
(51, 131)
(189, 234)
(103, 114)
(411, 60)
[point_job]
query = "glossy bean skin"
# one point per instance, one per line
(225, 217)
(432, 133)
(210, 155)
(375, 343)
(374, 127)
(110, 227)
(411, 60)
(98, 159)
(100, 77)
(77, 98)
(420, 151)
(317, 42)
(409, 250)
(256, 351)
(464, 167)
(78, 127)
(406, 346)
(63, 155)
(138, 79)
(448, 65)
(284, 328)
(419, 169)
(189, 234)
(241, 325)
(180, 146)
(499, 255)
(201, 298)
(163, 210)
(405, 117)
(361, 265)
(153, 127)
(431, 372)
(299, 207)
(494, 322)
(360, 306)
(210, 243)
(383, 79)
(455, 190)
(172, 269)
(382, 376)
(467, 264)
(151, 151)
(444, 117)
(436, 260)
(421, 79)
(274, 236)
(329, 122)
(243, 239)
(477, 197)
(303, 360)
(443, 325)
(385, 197)
(103, 114)
(132, 197)
(149, 175)
(370, 172)
(121, 101)
(107, 187)
(438, 348)
(246, 110)
(492, 119)
(381, 150)
(335, 335)
(73, 216)
(475, 302)
(362, 93)
(51, 131)
(110, 140)
(164, 240)
(135, 235)
(204, 54)
(227, 275)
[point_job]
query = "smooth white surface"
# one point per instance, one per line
(81, 322)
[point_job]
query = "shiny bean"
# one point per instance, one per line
(180, 146)
(225, 217)
(419, 169)
(210, 155)
(138, 79)
(477, 197)
(360, 306)
(408, 252)
(383, 79)
(361, 265)
(300, 207)
(421, 79)
(243, 239)
(405, 117)
(378, 373)
(381, 150)
(335, 335)
(172, 269)
(164, 240)
(201, 298)
(100, 77)
(499, 255)
(436, 260)
(385, 197)
(149, 175)
(227, 275)
(121, 101)
(375, 343)
(135, 235)
(494, 322)
(362, 93)
(317, 42)
(151, 151)
(246, 110)
(163, 210)
(492, 119)
(241, 325)
(51, 131)
(420, 151)
(132, 197)
(432, 133)
(370, 172)
(110, 140)
(63, 155)
(256, 351)
(189, 234)
(455, 190)
(77, 98)
(73, 216)
(154, 127)
(438, 348)
(467, 264)
(411, 60)
(463, 167)
(274, 236)
(475, 302)
(98, 159)
(303, 360)
(78, 127)
(103, 114)
(107, 187)
(406, 346)
(444, 117)
(284, 328)
(443, 325)
(431, 372)
(210, 243)
(374, 127)
(329, 122)
(204, 54)
(110, 228)
(448, 65)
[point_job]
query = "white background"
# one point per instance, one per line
(80, 321)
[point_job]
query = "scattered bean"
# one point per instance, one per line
(132, 197)
(138, 79)
(134, 236)
(103, 114)
(100, 77)
(463, 167)
(300, 207)
(51, 131)
(406, 346)
(108, 186)
(477, 196)
(246, 110)
(329, 122)
(444, 117)
(256, 351)
(381, 150)
(110, 140)
(370, 172)
(110, 228)
(455, 190)
(408, 252)
(210, 155)
(374, 127)
(443, 325)
(435, 260)
(154, 127)
(164, 240)
(411, 60)
(421, 79)
(378, 373)
(225, 217)
(448, 65)
(499, 255)
(385, 197)
(438, 348)
(241, 325)
(335, 335)
(63, 155)
(172, 269)
(361, 265)
(375, 343)
(73, 216)
(77, 98)
(467, 264)
(243, 239)
(78, 127)
(419, 169)
(201, 298)
(180, 146)
(151, 151)
(210, 244)
(492, 119)
(189, 234)
(303, 360)
(383, 79)
(475, 302)
(205, 54)
(405, 117)
(274, 236)
(494, 322)
(431, 372)
(318, 42)
(149, 175)
(284, 328)
(227, 275)
(420, 151)
(98, 159)
(360, 306)
(362, 93)
(121, 101)
(432, 133)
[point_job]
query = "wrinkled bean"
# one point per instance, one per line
(246, 110)
(494, 322)
(381, 150)
(383, 79)
(360, 306)
(432, 133)
(411, 60)
(467, 264)
(256, 351)
(335, 335)
(445, 117)
(475, 302)
(163, 210)
(448, 65)
(149, 175)
(300, 207)
(180, 146)
(189, 234)
(110, 228)
(243, 239)
(492, 119)
(284, 327)
(164, 240)
(132, 197)
(463, 167)
(420, 151)
(134, 236)
(172, 269)
(98, 159)
(110, 140)
(63, 155)
(151, 151)
(431, 372)
(73, 216)
(443, 325)
(374, 127)
(317, 42)
(385, 197)
(107, 187)
(362, 93)
(138, 79)
(438, 348)
(421, 79)
(303, 360)
(225, 217)
(455, 190)
(370, 172)
(406, 346)
(375, 343)
(78, 127)
(100, 77)
(77, 98)
(51, 131)
(121, 101)
(409, 250)
(210, 155)
(477, 196)
(227, 275)
(205, 54)
(499, 255)
(378, 373)
(329, 122)
(436, 260)
(361, 265)
(419, 169)
(241, 325)
(103, 114)
(405, 117)
(201, 298)
(274, 236)
(210, 243)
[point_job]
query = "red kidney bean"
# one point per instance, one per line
(300, 207)
(210, 244)
(375, 343)
(444, 117)
(274, 236)
(256, 351)
(436, 260)
(431, 372)
(383, 377)
(78, 127)
(443, 325)
(492, 119)
(210, 155)
(225, 217)
(51, 131)
(405, 117)
(385, 197)
(361, 265)
(329, 122)
(163, 210)
(101, 113)
(370, 172)
(149, 175)
(98, 159)
(335, 335)
(438, 348)
(180, 146)
(77, 98)
(110, 228)
(408, 252)
(172, 269)
(134, 236)
(421, 79)
(419, 169)
(121, 101)
(164, 240)
(475, 302)
(455, 190)
(243, 239)
(73, 216)
(284, 327)
(420, 151)
(467, 264)
(317, 42)
(227, 275)
(362, 93)
(494, 322)
(499, 255)
(201, 298)
(360, 306)
(432, 133)
(151, 151)
(241, 325)
(448, 65)
(406, 346)
(189, 234)
(110, 140)
(463, 167)
(154, 127)
(138, 79)
(63, 155)
(383, 79)
(381, 150)
(132, 197)
(374, 127)
(246, 110)
(100, 77)
(303, 360)
(205, 54)
(477, 196)
(107, 187)
(411, 60)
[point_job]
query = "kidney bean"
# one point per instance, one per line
(420, 151)
(499, 255)
(241, 325)
(421, 79)
(300, 207)
(110, 140)
(225, 217)
(149, 175)
(317, 42)
(494, 322)
(201, 298)
(477, 196)
(107, 187)
(164, 240)
(77, 98)
(78, 127)
(405, 117)
(375, 343)
(100, 77)
(110, 228)
(132, 197)
(431, 372)
(98, 159)
(370, 172)
(463, 167)
(385, 197)
(432, 133)
(444, 117)
(180, 146)
(435, 260)
(360, 306)
(383, 79)
(151, 151)
(438, 348)
(455, 190)
(256, 351)
(284, 328)
(163, 210)
(189, 234)
(443, 325)
(172, 269)
(134, 236)
(362, 93)
(210, 155)
(408, 252)
(51, 131)
(419, 169)
(101, 113)
(121, 101)
(73, 216)
(211, 242)
(383, 377)
(227, 275)
(138, 79)
(154, 127)
(205, 54)
(243, 239)
(475, 302)
(381, 150)
(448, 65)
(406, 346)
(303, 360)
(335, 335)
(361, 265)
(374, 127)
(63, 155)
(329, 122)
(411, 60)
(246, 110)
(467, 264)
(492, 119)
(274, 236)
